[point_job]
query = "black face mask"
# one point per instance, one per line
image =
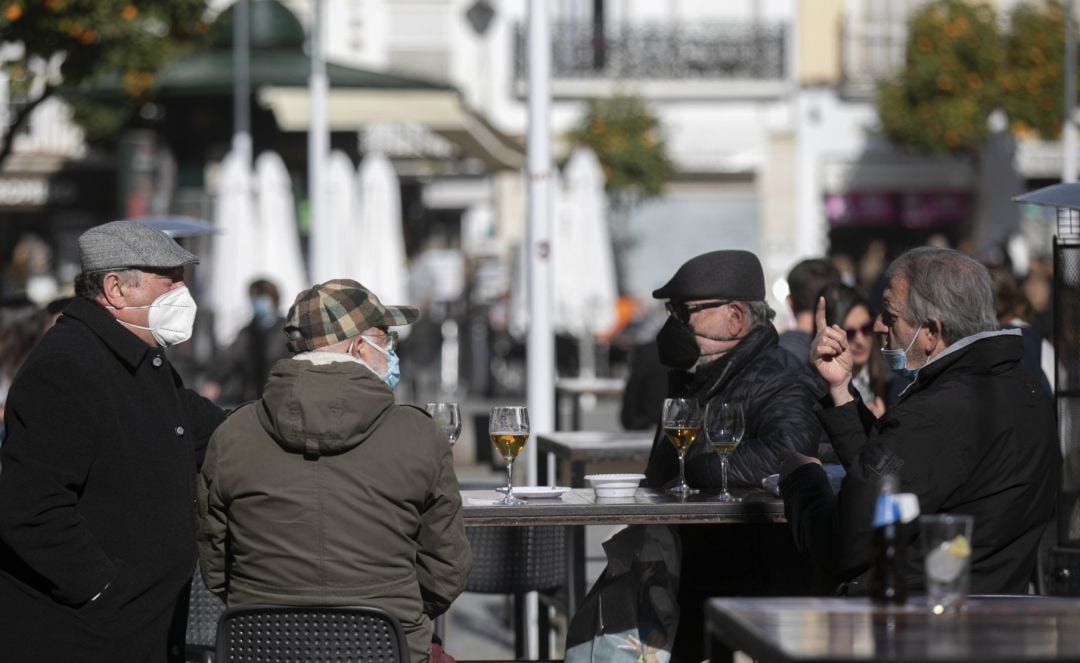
(677, 345)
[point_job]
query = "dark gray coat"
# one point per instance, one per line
(97, 491)
(974, 435)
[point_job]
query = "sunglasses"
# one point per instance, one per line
(866, 330)
(682, 312)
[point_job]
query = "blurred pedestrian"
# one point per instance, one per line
(240, 371)
(647, 381)
(1014, 312)
(325, 491)
(97, 522)
(21, 325)
(805, 280)
(877, 386)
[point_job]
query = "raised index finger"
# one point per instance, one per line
(819, 315)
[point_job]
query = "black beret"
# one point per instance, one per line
(734, 275)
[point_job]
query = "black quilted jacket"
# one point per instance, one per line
(780, 397)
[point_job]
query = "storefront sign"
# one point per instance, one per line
(36, 191)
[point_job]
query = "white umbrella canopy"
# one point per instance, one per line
(234, 263)
(381, 244)
(582, 255)
(280, 258)
(333, 246)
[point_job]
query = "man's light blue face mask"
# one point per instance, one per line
(896, 359)
(393, 365)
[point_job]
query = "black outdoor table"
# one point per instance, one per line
(846, 630)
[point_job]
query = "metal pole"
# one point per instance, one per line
(1068, 125)
(541, 352)
(318, 134)
(540, 357)
(242, 81)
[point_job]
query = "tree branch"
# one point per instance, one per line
(21, 118)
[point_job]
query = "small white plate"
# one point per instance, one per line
(540, 492)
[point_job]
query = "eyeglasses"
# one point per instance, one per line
(865, 330)
(682, 312)
(389, 339)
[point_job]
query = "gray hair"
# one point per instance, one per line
(760, 313)
(91, 284)
(947, 286)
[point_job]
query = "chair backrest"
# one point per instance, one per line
(513, 560)
(298, 634)
(204, 610)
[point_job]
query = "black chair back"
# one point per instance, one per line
(204, 610)
(301, 634)
(514, 560)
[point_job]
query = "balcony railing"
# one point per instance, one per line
(663, 51)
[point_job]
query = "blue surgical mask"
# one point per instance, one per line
(393, 365)
(262, 306)
(897, 359)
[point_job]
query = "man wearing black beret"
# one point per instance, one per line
(720, 343)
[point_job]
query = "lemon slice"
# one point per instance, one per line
(959, 547)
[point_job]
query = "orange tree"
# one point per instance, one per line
(949, 85)
(1031, 79)
(958, 68)
(74, 40)
(626, 139)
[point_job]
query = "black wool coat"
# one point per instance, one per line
(975, 434)
(97, 494)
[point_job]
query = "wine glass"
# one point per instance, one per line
(509, 429)
(447, 417)
(682, 421)
(725, 424)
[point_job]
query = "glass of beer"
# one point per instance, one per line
(682, 421)
(447, 417)
(725, 425)
(509, 429)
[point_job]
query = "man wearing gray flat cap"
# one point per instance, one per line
(97, 473)
(721, 345)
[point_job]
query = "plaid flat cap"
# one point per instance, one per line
(126, 244)
(331, 312)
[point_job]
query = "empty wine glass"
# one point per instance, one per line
(509, 429)
(447, 417)
(682, 422)
(725, 424)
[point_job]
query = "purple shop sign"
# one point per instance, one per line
(943, 209)
(863, 210)
(924, 210)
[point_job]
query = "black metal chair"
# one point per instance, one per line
(298, 634)
(204, 610)
(517, 560)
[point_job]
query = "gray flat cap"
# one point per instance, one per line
(726, 274)
(124, 244)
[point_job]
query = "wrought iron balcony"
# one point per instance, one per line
(663, 51)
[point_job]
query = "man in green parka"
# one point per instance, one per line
(326, 492)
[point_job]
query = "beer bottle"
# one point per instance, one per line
(889, 559)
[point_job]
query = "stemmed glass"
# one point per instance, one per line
(725, 425)
(682, 421)
(447, 417)
(509, 429)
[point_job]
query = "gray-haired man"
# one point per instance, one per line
(972, 435)
(97, 490)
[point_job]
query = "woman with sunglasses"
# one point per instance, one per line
(876, 385)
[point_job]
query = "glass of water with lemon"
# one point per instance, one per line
(947, 553)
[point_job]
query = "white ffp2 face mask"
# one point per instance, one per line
(172, 317)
